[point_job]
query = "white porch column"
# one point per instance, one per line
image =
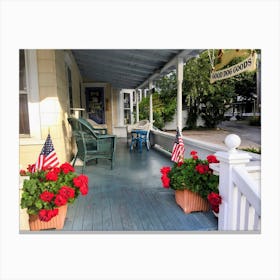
(180, 64)
(131, 107)
(151, 102)
(145, 93)
(137, 105)
(140, 94)
(229, 159)
(121, 109)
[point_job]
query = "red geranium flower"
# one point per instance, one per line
(46, 196)
(60, 200)
(67, 192)
(52, 176)
(84, 189)
(180, 163)
(46, 215)
(215, 200)
(22, 172)
(165, 169)
(202, 168)
(194, 155)
(67, 167)
(165, 181)
(54, 212)
(80, 181)
(212, 159)
(30, 167)
(56, 170)
(215, 208)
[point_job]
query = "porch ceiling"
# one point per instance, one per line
(126, 68)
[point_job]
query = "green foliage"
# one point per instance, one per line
(37, 184)
(255, 121)
(186, 176)
(158, 107)
(164, 102)
(252, 150)
(210, 101)
(45, 190)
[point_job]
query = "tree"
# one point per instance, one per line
(210, 101)
(164, 101)
(167, 87)
(158, 108)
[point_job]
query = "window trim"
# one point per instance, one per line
(32, 89)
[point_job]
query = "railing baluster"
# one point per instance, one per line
(251, 218)
(242, 212)
(246, 214)
(238, 209)
(256, 222)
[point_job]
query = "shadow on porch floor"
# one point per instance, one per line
(131, 198)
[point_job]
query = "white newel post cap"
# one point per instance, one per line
(233, 156)
(232, 141)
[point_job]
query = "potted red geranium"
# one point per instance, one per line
(46, 193)
(195, 185)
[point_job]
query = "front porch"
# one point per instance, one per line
(131, 198)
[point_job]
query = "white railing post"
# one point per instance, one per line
(137, 105)
(228, 208)
(151, 118)
(180, 70)
(131, 107)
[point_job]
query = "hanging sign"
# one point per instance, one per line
(249, 64)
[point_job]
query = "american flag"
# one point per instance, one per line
(178, 148)
(47, 157)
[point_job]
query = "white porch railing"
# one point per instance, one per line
(239, 187)
(165, 141)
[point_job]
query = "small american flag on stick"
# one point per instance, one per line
(47, 157)
(178, 148)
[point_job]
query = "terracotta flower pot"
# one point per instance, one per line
(56, 222)
(190, 201)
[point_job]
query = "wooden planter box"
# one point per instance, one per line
(56, 222)
(190, 201)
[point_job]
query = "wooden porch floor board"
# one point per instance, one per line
(130, 198)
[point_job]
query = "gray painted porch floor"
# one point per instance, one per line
(131, 198)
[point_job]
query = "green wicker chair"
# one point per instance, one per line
(90, 143)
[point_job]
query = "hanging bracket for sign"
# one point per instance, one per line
(249, 64)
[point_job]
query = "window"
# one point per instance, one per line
(70, 87)
(24, 128)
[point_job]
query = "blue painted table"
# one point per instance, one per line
(138, 138)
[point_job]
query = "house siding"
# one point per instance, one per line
(54, 105)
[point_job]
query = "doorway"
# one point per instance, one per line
(95, 104)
